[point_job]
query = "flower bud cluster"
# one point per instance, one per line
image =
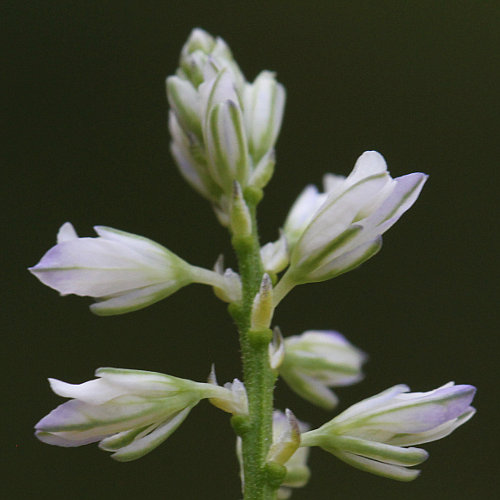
(223, 128)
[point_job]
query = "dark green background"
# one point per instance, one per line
(87, 142)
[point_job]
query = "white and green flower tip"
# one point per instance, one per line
(130, 412)
(317, 360)
(286, 451)
(377, 434)
(333, 232)
(223, 128)
(122, 271)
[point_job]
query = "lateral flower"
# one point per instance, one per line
(130, 412)
(345, 227)
(376, 435)
(122, 271)
(317, 360)
(286, 450)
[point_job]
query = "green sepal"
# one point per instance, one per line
(260, 337)
(275, 474)
(241, 424)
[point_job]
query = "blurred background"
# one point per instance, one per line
(87, 142)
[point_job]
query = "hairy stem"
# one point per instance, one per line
(256, 431)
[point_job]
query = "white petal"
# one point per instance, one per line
(66, 233)
(97, 267)
(144, 383)
(302, 212)
(332, 182)
(334, 218)
(382, 452)
(421, 412)
(344, 260)
(136, 299)
(404, 195)
(140, 447)
(144, 246)
(368, 164)
(124, 438)
(212, 92)
(263, 105)
(372, 403)
(95, 392)
(380, 469)
(310, 388)
(84, 421)
(184, 99)
(227, 145)
(66, 439)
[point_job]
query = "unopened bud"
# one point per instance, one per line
(262, 309)
(276, 349)
(285, 445)
(241, 221)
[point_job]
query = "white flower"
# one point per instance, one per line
(130, 412)
(317, 360)
(123, 271)
(345, 227)
(376, 435)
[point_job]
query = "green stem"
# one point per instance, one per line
(259, 379)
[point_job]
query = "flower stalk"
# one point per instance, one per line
(258, 377)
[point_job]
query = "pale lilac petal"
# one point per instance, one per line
(423, 412)
(433, 434)
(91, 421)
